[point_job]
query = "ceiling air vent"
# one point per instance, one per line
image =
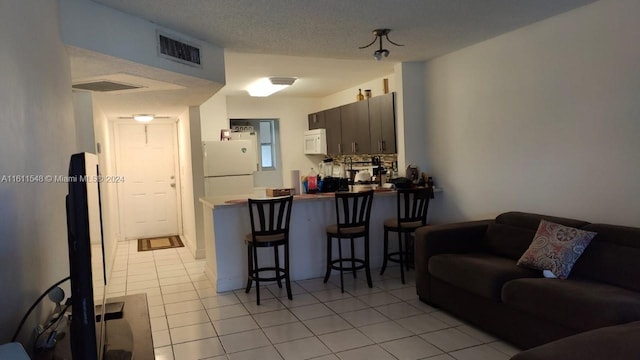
(179, 51)
(104, 86)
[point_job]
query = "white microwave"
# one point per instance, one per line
(315, 141)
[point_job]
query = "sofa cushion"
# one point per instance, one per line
(579, 304)
(482, 274)
(556, 248)
(507, 240)
(512, 232)
(531, 221)
(612, 256)
(620, 342)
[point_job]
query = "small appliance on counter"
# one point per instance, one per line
(328, 168)
(412, 173)
(402, 183)
(362, 176)
(333, 184)
(379, 171)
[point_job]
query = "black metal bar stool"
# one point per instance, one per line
(353, 211)
(411, 213)
(269, 228)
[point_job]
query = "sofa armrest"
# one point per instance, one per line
(619, 342)
(442, 239)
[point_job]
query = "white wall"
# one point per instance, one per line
(197, 171)
(37, 137)
(108, 190)
(213, 117)
(349, 95)
(187, 183)
(83, 117)
(410, 114)
(99, 28)
(542, 119)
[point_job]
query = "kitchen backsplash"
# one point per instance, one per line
(389, 161)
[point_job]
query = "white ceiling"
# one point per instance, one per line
(317, 41)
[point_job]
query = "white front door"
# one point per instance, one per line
(146, 158)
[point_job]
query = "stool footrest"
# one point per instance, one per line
(281, 274)
(397, 253)
(347, 268)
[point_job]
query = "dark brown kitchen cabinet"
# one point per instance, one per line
(334, 132)
(355, 128)
(382, 124)
(317, 120)
(363, 127)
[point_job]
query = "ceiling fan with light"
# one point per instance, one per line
(378, 34)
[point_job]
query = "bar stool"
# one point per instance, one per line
(269, 228)
(411, 213)
(353, 211)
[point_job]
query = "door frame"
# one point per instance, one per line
(113, 128)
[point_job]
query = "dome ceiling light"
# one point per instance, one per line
(144, 117)
(267, 86)
(378, 34)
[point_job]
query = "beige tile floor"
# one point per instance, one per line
(190, 320)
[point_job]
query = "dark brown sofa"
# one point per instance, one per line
(469, 269)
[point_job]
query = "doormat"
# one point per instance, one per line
(165, 242)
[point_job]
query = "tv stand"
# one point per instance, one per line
(112, 310)
(128, 337)
(135, 319)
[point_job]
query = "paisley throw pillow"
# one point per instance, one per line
(555, 248)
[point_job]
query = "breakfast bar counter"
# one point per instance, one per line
(226, 221)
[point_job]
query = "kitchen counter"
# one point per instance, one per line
(317, 196)
(227, 221)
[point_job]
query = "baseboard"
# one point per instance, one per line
(229, 284)
(193, 249)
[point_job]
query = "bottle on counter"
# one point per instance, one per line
(360, 96)
(312, 182)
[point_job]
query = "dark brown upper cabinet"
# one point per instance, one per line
(363, 127)
(355, 128)
(382, 124)
(333, 124)
(317, 120)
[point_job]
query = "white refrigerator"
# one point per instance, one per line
(229, 167)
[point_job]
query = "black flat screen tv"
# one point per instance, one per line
(86, 258)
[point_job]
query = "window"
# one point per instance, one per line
(267, 149)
